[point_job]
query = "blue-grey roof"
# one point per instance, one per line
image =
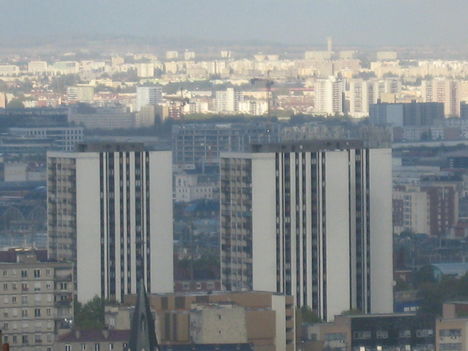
(458, 269)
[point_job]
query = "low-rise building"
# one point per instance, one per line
(262, 319)
(36, 299)
(378, 332)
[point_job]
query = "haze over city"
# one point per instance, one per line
(350, 22)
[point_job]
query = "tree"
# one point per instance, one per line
(15, 103)
(89, 315)
(306, 315)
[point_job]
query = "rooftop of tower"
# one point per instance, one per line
(308, 146)
(109, 147)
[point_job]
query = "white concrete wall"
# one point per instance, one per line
(278, 304)
(337, 233)
(381, 230)
(162, 271)
(263, 222)
(88, 226)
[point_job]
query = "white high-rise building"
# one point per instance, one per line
(145, 70)
(362, 93)
(227, 101)
(148, 96)
(80, 93)
(110, 212)
(37, 67)
(443, 90)
(312, 220)
(328, 96)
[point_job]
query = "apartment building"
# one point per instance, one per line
(109, 210)
(36, 299)
(311, 220)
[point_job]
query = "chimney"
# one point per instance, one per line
(77, 334)
(105, 332)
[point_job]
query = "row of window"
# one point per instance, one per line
(384, 334)
(25, 339)
(25, 273)
(25, 313)
(26, 287)
(95, 347)
(25, 299)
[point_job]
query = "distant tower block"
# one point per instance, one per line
(330, 44)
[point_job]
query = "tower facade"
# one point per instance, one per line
(110, 212)
(311, 220)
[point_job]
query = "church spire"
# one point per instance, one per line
(142, 334)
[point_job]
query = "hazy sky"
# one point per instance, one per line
(350, 22)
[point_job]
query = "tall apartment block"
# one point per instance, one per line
(312, 220)
(36, 299)
(110, 210)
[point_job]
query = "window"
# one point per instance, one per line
(451, 333)
(13, 299)
(68, 348)
(5, 286)
(381, 334)
(37, 273)
(451, 347)
(24, 300)
(406, 333)
(362, 335)
(5, 326)
(24, 339)
(24, 273)
(423, 333)
(37, 312)
(83, 347)
(96, 347)
(111, 347)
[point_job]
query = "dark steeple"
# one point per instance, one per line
(142, 335)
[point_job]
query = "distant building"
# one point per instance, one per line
(37, 67)
(311, 220)
(102, 118)
(445, 91)
(189, 55)
(227, 101)
(62, 138)
(145, 70)
(172, 55)
(328, 96)
(402, 331)
(362, 93)
(148, 96)
(410, 210)
(386, 55)
(190, 187)
(36, 299)
(201, 143)
(9, 70)
(407, 114)
(80, 93)
(110, 212)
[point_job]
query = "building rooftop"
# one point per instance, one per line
(95, 335)
(109, 147)
(308, 146)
